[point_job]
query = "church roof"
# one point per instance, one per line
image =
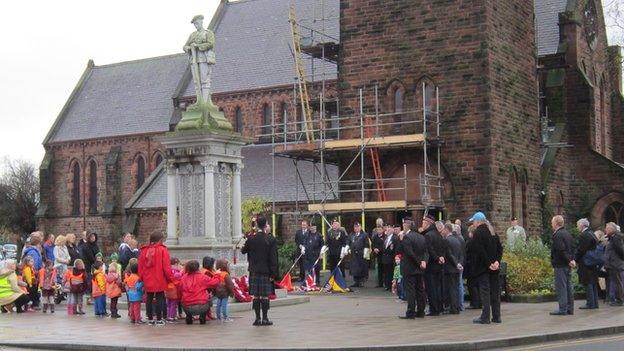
(255, 177)
(253, 51)
(547, 25)
(124, 98)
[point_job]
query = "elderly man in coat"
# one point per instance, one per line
(588, 275)
(358, 244)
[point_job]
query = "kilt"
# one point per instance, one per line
(260, 285)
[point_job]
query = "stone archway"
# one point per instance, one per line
(609, 208)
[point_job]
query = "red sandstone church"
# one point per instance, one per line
(516, 109)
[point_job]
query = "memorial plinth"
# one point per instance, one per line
(204, 195)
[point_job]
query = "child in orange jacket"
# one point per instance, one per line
(47, 284)
(113, 289)
(98, 289)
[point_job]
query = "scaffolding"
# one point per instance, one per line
(350, 139)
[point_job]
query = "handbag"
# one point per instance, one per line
(595, 256)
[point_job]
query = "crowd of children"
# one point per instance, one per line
(191, 290)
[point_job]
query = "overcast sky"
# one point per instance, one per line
(45, 46)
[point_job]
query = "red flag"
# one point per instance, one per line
(286, 283)
(310, 282)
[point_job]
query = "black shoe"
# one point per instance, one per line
(473, 308)
(420, 315)
(498, 321)
(570, 313)
(407, 317)
(189, 319)
(257, 322)
(558, 313)
(266, 322)
(585, 308)
(616, 303)
(453, 312)
(480, 321)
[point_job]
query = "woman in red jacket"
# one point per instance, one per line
(194, 286)
(155, 273)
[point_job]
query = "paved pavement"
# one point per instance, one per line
(604, 343)
(364, 319)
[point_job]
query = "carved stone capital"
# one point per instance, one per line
(210, 166)
(171, 167)
(237, 168)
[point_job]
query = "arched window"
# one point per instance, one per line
(266, 119)
(615, 213)
(75, 194)
(238, 120)
(398, 100)
(93, 190)
(158, 159)
(430, 105)
(140, 171)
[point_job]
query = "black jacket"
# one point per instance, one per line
(436, 245)
(483, 250)
(454, 254)
(378, 242)
(614, 252)
(388, 252)
(74, 254)
(414, 249)
(299, 239)
(562, 250)
(125, 254)
(261, 250)
(587, 242)
(335, 241)
(313, 244)
(88, 252)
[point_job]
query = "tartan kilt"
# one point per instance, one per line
(260, 285)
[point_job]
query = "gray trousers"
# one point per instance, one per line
(615, 279)
(564, 289)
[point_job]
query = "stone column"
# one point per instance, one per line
(172, 205)
(210, 166)
(236, 203)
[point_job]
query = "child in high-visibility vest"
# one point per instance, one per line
(224, 290)
(47, 284)
(113, 289)
(75, 281)
(98, 289)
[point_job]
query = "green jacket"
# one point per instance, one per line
(397, 273)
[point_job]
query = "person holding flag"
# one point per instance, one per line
(312, 244)
(414, 250)
(336, 241)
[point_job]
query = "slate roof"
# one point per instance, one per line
(255, 178)
(124, 98)
(547, 20)
(253, 43)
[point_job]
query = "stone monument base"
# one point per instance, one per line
(217, 251)
(203, 116)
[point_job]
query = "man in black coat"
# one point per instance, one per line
(379, 238)
(313, 242)
(299, 238)
(614, 254)
(358, 244)
(261, 250)
(415, 255)
(336, 241)
(562, 260)
(388, 252)
(454, 258)
(471, 279)
(434, 274)
(588, 275)
(485, 259)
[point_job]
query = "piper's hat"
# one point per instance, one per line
(197, 18)
(478, 216)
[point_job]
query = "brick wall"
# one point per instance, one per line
(460, 47)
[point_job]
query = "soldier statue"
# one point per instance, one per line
(200, 48)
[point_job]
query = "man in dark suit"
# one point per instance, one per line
(358, 244)
(313, 242)
(413, 247)
(379, 238)
(388, 251)
(299, 241)
(454, 258)
(434, 274)
(562, 260)
(588, 275)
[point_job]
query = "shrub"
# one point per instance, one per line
(526, 274)
(249, 207)
(285, 257)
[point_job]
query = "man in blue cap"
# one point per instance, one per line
(485, 262)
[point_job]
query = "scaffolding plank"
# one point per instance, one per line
(393, 140)
(356, 206)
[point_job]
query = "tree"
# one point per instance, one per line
(614, 20)
(19, 195)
